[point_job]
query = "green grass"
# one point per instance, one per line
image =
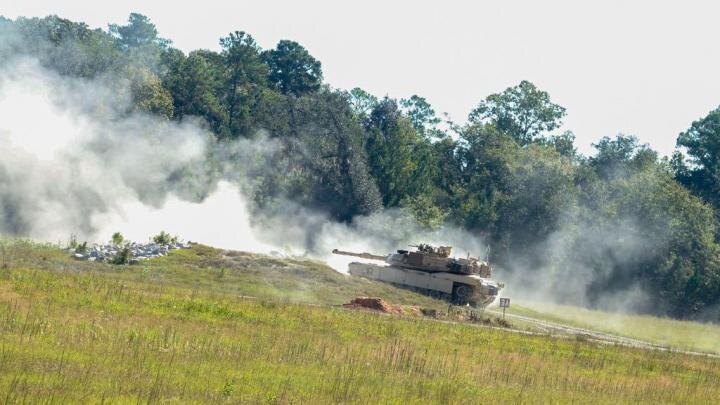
(686, 335)
(175, 330)
(223, 272)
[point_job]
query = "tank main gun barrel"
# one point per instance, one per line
(361, 255)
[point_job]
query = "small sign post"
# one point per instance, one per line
(504, 303)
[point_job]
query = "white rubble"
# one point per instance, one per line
(138, 251)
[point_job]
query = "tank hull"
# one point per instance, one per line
(476, 291)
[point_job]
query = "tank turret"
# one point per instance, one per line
(429, 258)
(431, 269)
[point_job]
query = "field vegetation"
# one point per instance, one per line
(685, 335)
(177, 329)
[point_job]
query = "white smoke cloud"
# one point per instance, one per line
(303, 231)
(222, 220)
(574, 265)
(73, 159)
(75, 162)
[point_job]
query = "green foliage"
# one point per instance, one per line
(422, 115)
(122, 257)
(140, 45)
(701, 173)
(480, 177)
(292, 69)
(362, 102)
(517, 194)
(195, 83)
(538, 190)
(244, 73)
(148, 93)
(563, 143)
(401, 163)
(322, 162)
(64, 46)
(73, 242)
(164, 238)
(619, 156)
(117, 239)
(652, 229)
(524, 112)
(138, 32)
(76, 245)
(423, 209)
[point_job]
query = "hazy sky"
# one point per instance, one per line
(647, 68)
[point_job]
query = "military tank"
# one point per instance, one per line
(430, 269)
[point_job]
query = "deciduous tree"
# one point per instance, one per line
(523, 111)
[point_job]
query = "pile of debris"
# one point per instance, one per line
(377, 304)
(135, 251)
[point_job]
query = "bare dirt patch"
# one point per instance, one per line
(376, 304)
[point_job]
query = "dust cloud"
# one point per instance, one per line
(76, 159)
(75, 162)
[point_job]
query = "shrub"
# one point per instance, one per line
(164, 238)
(117, 239)
(73, 243)
(122, 257)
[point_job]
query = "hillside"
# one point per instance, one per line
(178, 329)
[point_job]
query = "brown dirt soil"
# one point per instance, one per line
(377, 304)
(414, 310)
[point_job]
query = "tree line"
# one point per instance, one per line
(624, 216)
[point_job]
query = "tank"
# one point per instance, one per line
(432, 270)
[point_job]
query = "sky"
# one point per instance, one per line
(647, 68)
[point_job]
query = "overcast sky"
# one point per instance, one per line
(647, 68)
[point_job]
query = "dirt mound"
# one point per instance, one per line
(377, 304)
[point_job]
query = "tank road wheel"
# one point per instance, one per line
(461, 294)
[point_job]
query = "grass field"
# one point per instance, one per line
(685, 335)
(176, 330)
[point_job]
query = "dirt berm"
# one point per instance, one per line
(377, 304)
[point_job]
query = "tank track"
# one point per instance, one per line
(438, 295)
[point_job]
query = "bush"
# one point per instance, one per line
(117, 239)
(164, 238)
(122, 257)
(73, 243)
